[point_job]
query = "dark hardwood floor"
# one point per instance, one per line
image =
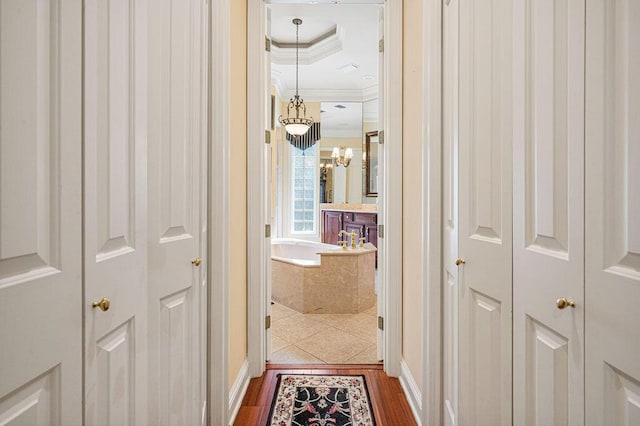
(390, 406)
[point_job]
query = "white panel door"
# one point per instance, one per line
(485, 210)
(612, 219)
(548, 220)
(40, 219)
(115, 212)
(177, 136)
(450, 211)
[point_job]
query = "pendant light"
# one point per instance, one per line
(297, 124)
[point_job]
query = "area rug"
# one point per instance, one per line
(321, 400)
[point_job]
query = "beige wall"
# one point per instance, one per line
(412, 189)
(238, 193)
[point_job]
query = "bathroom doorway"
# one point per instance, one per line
(265, 217)
(324, 306)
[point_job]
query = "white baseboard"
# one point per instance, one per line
(239, 388)
(411, 391)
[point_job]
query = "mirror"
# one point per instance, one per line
(370, 153)
(341, 129)
(370, 158)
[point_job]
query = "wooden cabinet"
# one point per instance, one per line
(371, 234)
(331, 226)
(364, 224)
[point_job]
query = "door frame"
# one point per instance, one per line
(391, 244)
(432, 407)
(218, 172)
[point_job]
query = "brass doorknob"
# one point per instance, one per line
(563, 303)
(460, 261)
(196, 262)
(103, 304)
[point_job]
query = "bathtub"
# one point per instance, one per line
(311, 277)
(299, 252)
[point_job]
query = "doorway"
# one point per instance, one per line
(260, 161)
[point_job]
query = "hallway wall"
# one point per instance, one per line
(238, 193)
(412, 189)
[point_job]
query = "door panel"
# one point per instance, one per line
(450, 212)
(485, 210)
(612, 212)
(332, 225)
(177, 129)
(40, 220)
(548, 220)
(115, 260)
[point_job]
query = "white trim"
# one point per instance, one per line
(238, 390)
(391, 255)
(431, 214)
(411, 391)
(218, 208)
(281, 89)
(370, 93)
(333, 95)
(256, 125)
(308, 55)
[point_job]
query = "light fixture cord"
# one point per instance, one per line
(297, 28)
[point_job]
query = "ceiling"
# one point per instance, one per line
(355, 42)
(338, 122)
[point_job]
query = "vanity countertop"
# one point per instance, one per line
(368, 248)
(356, 208)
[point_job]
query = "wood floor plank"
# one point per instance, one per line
(390, 406)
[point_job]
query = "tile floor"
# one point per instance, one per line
(322, 338)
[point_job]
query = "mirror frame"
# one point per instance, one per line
(368, 191)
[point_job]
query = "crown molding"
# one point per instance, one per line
(370, 93)
(331, 95)
(322, 47)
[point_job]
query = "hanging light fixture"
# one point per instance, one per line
(296, 123)
(342, 156)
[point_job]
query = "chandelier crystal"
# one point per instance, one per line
(297, 124)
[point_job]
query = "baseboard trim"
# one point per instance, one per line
(411, 391)
(238, 390)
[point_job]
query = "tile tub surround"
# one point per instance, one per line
(343, 282)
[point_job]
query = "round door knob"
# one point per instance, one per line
(196, 262)
(460, 261)
(563, 303)
(103, 304)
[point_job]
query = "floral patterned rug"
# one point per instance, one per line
(317, 400)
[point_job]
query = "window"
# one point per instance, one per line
(304, 184)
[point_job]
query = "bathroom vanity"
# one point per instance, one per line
(363, 223)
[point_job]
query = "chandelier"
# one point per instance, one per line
(342, 156)
(297, 124)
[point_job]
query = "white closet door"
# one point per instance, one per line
(485, 211)
(450, 212)
(115, 214)
(40, 219)
(548, 221)
(613, 213)
(177, 137)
